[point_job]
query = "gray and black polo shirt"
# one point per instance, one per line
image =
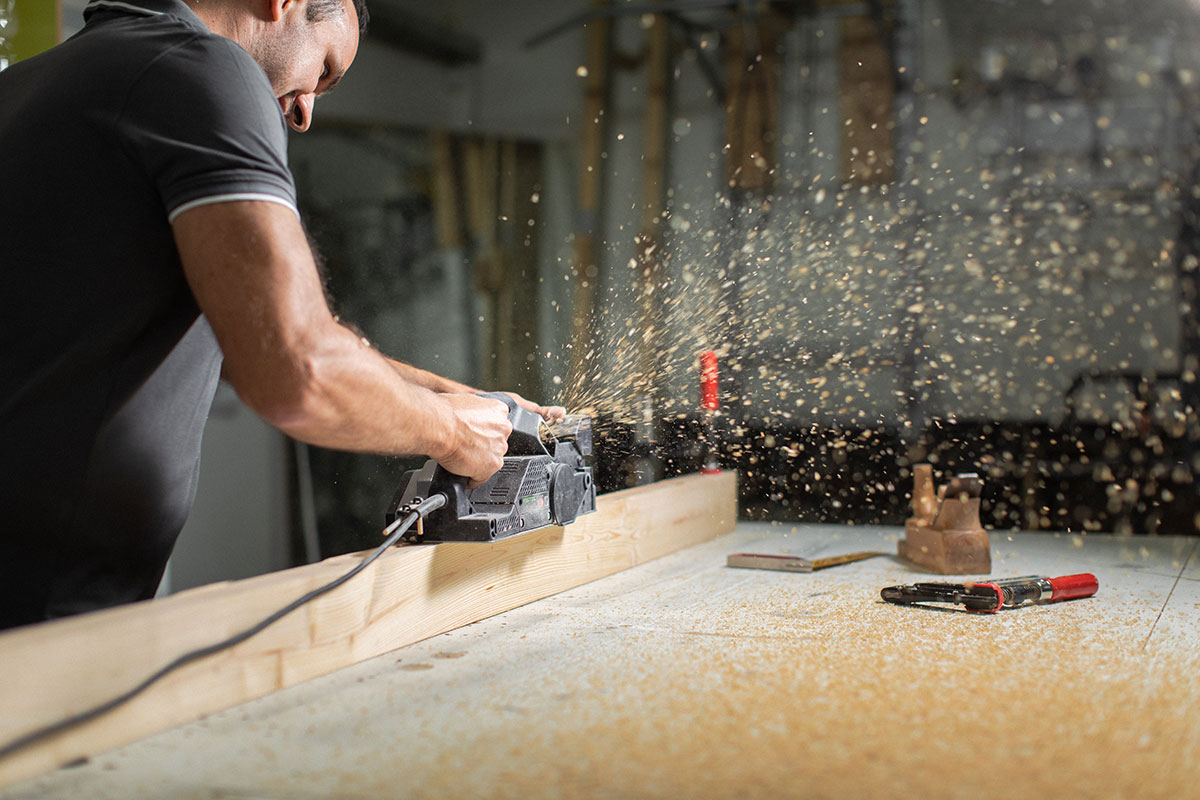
(107, 368)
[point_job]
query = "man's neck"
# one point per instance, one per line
(222, 17)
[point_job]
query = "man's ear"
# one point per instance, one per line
(277, 8)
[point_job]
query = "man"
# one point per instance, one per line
(148, 228)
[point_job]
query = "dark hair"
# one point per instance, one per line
(324, 9)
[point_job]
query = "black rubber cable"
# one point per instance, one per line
(393, 532)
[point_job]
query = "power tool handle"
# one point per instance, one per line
(524, 439)
(503, 398)
(454, 486)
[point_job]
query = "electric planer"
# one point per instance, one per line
(544, 481)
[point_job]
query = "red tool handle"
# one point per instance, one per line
(708, 380)
(1068, 587)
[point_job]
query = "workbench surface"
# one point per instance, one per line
(685, 678)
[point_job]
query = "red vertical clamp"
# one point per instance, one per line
(709, 404)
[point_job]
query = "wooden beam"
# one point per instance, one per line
(413, 592)
(519, 237)
(654, 182)
(482, 166)
(591, 188)
(865, 98)
(752, 76)
(506, 339)
(444, 192)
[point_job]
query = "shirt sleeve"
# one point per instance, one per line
(203, 121)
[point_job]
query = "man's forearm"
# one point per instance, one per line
(350, 397)
(428, 380)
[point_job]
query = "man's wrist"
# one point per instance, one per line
(445, 441)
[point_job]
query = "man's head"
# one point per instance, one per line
(305, 46)
(322, 9)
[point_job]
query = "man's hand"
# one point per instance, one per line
(436, 383)
(548, 413)
(481, 438)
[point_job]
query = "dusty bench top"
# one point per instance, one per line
(686, 678)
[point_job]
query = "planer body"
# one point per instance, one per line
(542, 482)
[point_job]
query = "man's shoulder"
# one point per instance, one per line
(201, 76)
(167, 46)
(208, 57)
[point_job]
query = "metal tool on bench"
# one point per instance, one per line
(991, 596)
(541, 483)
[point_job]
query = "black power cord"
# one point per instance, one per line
(394, 532)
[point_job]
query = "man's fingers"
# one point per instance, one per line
(552, 413)
(484, 427)
(492, 464)
(548, 413)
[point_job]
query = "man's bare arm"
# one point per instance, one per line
(250, 268)
(430, 380)
(437, 383)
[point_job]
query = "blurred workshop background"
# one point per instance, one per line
(957, 231)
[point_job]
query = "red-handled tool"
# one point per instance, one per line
(708, 381)
(709, 404)
(991, 596)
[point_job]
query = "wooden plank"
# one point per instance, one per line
(506, 337)
(654, 182)
(591, 188)
(865, 99)
(523, 298)
(752, 76)
(445, 192)
(481, 167)
(411, 593)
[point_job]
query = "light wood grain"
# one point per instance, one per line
(56, 669)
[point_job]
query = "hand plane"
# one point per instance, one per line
(542, 482)
(944, 534)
